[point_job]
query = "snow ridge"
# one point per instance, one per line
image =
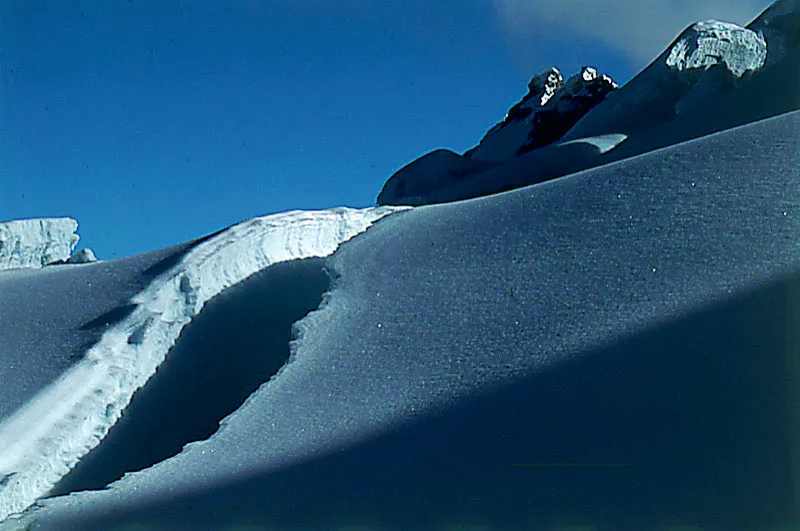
(46, 438)
(33, 243)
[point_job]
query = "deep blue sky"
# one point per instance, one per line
(153, 122)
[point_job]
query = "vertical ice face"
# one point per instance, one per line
(712, 43)
(44, 439)
(36, 242)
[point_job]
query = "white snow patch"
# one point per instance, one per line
(603, 143)
(33, 243)
(712, 42)
(41, 442)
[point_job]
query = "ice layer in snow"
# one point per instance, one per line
(36, 242)
(44, 439)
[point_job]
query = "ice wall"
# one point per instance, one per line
(36, 242)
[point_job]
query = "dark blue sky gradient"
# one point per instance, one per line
(155, 122)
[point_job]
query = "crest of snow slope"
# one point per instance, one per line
(710, 43)
(424, 312)
(36, 242)
(41, 442)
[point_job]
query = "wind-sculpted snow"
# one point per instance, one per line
(712, 43)
(36, 242)
(606, 346)
(44, 439)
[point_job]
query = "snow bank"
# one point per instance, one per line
(41, 442)
(36, 242)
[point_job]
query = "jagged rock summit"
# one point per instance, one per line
(714, 76)
(547, 111)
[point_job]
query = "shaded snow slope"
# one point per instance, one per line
(42, 440)
(632, 317)
(36, 242)
(710, 61)
(50, 317)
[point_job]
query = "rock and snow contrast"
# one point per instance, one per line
(614, 349)
(548, 110)
(33, 243)
(715, 76)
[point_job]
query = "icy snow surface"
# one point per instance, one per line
(44, 439)
(439, 305)
(710, 43)
(36, 242)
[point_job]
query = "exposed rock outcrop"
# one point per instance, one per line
(548, 110)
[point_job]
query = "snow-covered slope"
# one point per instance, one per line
(608, 348)
(42, 440)
(36, 242)
(713, 77)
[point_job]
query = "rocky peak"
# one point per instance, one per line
(544, 114)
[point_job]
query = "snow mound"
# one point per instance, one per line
(712, 43)
(33, 243)
(42, 441)
(84, 256)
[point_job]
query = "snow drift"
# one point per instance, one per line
(44, 439)
(631, 316)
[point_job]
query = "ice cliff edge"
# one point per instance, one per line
(33, 243)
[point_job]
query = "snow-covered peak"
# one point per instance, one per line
(711, 43)
(580, 94)
(33, 243)
(547, 111)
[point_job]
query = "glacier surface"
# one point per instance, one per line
(33, 243)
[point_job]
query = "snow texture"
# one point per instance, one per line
(712, 43)
(443, 304)
(44, 439)
(33, 243)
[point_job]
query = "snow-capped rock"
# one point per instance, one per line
(33, 243)
(84, 256)
(503, 140)
(579, 95)
(549, 109)
(712, 43)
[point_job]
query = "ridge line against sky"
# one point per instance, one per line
(154, 123)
